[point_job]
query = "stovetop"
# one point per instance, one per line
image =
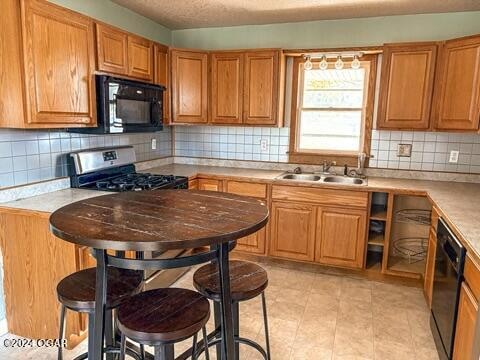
(138, 182)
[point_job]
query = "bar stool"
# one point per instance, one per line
(76, 292)
(163, 317)
(247, 281)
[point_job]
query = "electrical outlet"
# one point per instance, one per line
(154, 144)
(264, 144)
(453, 157)
(404, 150)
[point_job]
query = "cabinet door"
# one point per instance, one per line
(140, 58)
(112, 45)
(254, 243)
(292, 231)
(162, 77)
(226, 99)
(341, 237)
(430, 267)
(458, 91)
(59, 65)
(193, 184)
(406, 86)
(189, 87)
(261, 87)
(466, 321)
(209, 184)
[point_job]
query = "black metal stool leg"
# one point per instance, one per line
(194, 347)
(63, 310)
(91, 336)
(122, 346)
(265, 322)
(236, 327)
(205, 343)
(164, 352)
(142, 351)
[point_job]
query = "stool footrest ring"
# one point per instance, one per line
(237, 339)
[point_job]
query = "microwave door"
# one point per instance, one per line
(116, 125)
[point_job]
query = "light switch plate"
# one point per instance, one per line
(154, 144)
(264, 144)
(453, 157)
(404, 150)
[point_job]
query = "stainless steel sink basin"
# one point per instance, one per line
(343, 180)
(301, 177)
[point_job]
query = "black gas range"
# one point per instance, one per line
(112, 169)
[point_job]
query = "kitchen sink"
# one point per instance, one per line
(301, 177)
(323, 178)
(343, 180)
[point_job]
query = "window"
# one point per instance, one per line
(331, 112)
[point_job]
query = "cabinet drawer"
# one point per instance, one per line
(247, 189)
(472, 276)
(321, 196)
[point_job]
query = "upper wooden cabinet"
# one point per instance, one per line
(189, 86)
(112, 49)
(140, 58)
(341, 237)
(162, 77)
(59, 65)
(262, 87)
(122, 53)
(226, 100)
(458, 85)
(406, 87)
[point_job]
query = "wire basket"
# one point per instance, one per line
(412, 248)
(413, 216)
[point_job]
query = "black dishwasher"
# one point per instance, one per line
(448, 277)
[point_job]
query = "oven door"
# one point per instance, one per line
(131, 106)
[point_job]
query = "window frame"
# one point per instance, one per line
(340, 157)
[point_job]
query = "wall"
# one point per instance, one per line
(333, 33)
(30, 156)
(111, 13)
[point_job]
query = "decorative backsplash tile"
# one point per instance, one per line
(232, 142)
(28, 156)
(430, 151)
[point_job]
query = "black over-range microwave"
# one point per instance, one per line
(126, 106)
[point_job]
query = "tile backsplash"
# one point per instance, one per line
(232, 142)
(28, 156)
(430, 151)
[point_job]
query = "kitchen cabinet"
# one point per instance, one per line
(226, 82)
(119, 52)
(189, 86)
(466, 320)
(430, 267)
(406, 86)
(209, 184)
(34, 262)
(458, 85)
(112, 49)
(140, 58)
(162, 77)
(193, 184)
(293, 231)
(263, 88)
(59, 60)
(254, 243)
(340, 237)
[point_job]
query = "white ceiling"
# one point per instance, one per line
(186, 14)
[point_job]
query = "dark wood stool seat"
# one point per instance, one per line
(77, 290)
(163, 315)
(247, 280)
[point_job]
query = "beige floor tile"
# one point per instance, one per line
(307, 351)
(386, 350)
(286, 311)
(422, 353)
(329, 285)
(352, 344)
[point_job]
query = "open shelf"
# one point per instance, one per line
(378, 212)
(396, 263)
(374, 261)
(376, 239)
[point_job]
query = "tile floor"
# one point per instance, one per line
(316, 316)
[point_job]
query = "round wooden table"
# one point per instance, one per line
(158, 221)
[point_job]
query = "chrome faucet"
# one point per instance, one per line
(297, 170)
(327, 165)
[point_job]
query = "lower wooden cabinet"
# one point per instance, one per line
(340, 237)
(430, 267)
(466, 321)
(193, 184)
(254, 243)
(293, 231)
(209, 184)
